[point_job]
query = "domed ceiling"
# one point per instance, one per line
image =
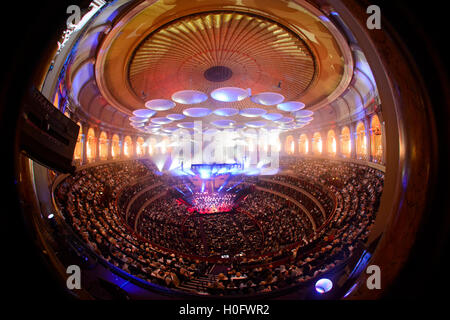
(173, 62)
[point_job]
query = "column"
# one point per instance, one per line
(353, 136)
(122, 146)
(97, 144)
(368, 137)
(109, 146)
(337, 136)
(383, 141)
(309, 138)
(84, 144)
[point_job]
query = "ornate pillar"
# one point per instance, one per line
(309, 138)
(97, 144)
(353, 137)
(122, 146)
(337, 137)
(84, 144)
(109, 145)
(368, 131)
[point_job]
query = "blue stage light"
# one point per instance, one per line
(324, 285)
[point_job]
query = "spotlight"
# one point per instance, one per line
(324, 285)
(50, 216)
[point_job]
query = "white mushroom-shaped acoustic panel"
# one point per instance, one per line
(186, 125)
(175, 116)
(153, 126)
(160, 104)
(253, 112)
(305, 119)
(137, 124)
(161, 120)
(267, 98)
(189, 97)
(170, 129)
(256, 124)
(291, 106)
(224, 123)
(230, 94)
(285, 120)
(145, 113)
(138, 119)
(272, 116)
(196, 112)
(226, 112)
(288, 126)
(302, 113)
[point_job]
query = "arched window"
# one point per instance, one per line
(346, 144)
(289, 145)
(77, 154)
(140, 148)
(317, 143)
(331, 143)
(376, 139)
(361, 141)
(103, 146)
(91, 145)
(303, 145)
(127, 147)
(115, 146)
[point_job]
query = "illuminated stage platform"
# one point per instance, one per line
(207, 171)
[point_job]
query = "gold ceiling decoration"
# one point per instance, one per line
(207, 51)
(285, 47)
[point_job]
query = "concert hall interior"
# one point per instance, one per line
(270, 149)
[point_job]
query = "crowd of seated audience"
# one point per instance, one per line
(272, 241)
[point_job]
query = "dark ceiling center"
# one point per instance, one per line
(218, 74)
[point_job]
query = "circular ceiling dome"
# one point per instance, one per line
(218, 74)
(189, 97)
(237, 49)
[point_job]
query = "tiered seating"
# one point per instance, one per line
(272, 240)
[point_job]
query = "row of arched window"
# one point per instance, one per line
(331, 144)
(114, 148)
